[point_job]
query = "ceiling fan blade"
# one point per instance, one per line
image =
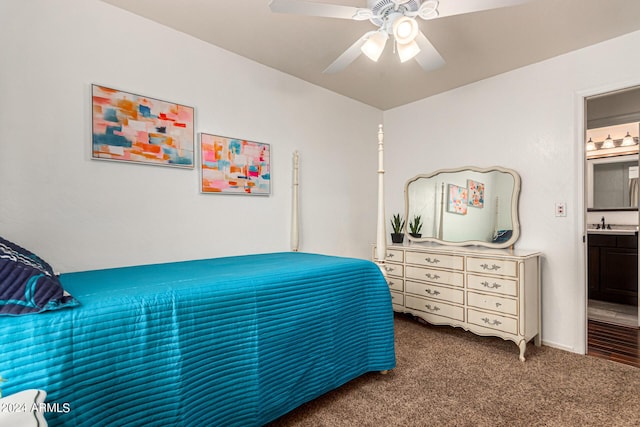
(428, 57)
(316, 9)
(458, 7)
(348, 56)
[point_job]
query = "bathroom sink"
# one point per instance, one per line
(615, 229)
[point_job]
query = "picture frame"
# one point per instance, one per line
(234, 166)
(457, 200)
(132, 128)
(475, 193)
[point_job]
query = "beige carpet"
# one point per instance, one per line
(448, 377)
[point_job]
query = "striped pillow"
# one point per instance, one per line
(27, 283)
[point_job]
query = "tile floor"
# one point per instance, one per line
(625, 315)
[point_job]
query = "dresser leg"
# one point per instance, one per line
(523, 346)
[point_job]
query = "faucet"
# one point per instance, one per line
(602, 226)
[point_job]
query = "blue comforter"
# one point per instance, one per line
(225, 341)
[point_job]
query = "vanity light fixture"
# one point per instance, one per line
(628, 140)
(591, 146)
(608, 143)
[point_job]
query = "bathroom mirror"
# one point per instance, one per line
(612, 183)
(464, 206)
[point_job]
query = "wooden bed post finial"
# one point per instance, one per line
(381, 237)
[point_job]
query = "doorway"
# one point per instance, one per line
(611, 194)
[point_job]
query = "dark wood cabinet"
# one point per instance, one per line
(613, 268)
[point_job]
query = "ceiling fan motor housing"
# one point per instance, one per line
(384, 9)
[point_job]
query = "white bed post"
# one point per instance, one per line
(294, 206)
(381, 238)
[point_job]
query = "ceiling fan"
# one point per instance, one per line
(394, 18)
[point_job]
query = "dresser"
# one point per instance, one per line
(490, 292)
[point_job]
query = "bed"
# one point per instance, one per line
(233, 341)
(225, 341)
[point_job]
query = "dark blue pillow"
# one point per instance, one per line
(27, 283)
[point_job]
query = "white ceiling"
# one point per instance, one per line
(475, 46)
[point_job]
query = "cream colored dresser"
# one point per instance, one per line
(492, 292)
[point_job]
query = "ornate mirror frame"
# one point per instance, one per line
(459, 206)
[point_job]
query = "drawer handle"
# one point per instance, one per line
(430, 292)
(432, 261)
(432, 276)
(389, 255)
(498, 304)
(488, 267)
(491, 285)
(389, 268)
(491, 322)
(434, 308)
(390, 283)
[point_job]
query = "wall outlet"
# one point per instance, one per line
(561, 209)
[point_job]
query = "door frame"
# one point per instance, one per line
(580, 102)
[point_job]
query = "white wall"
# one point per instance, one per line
(530, 120)
(82, 214)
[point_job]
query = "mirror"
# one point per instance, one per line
(612, 183)
(465, 206)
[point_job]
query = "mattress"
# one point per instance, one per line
(225, 341)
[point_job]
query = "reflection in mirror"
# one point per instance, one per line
(465, 206)
(612, 183)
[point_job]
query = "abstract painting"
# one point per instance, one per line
(235, 166)
(140, 129)
(476, 193)
(457, 199)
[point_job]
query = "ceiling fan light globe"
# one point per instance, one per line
(374, 45)
(405, 30)
(408, 51)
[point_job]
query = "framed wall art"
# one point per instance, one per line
(476, 193)
(234, 166)
(139, 129)
(457, 200)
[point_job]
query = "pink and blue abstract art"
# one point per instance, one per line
(139, 129)
(231, 165)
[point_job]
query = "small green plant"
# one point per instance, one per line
(397, 223)
(416, 225)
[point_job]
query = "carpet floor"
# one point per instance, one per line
(449, 377)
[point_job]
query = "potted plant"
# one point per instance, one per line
(397, 223)
(415, 226)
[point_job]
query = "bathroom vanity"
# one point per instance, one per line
(613, 265)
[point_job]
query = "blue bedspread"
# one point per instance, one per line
(218, 342)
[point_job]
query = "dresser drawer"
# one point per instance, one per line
(493, 284)
(437, 292)
(395, 255)
(438, 276)
(435, 260)
(492, 321)
(501, 267)
(395, 284)
(493, 302)
(435, 307)
(396, 270)
(397, 300)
